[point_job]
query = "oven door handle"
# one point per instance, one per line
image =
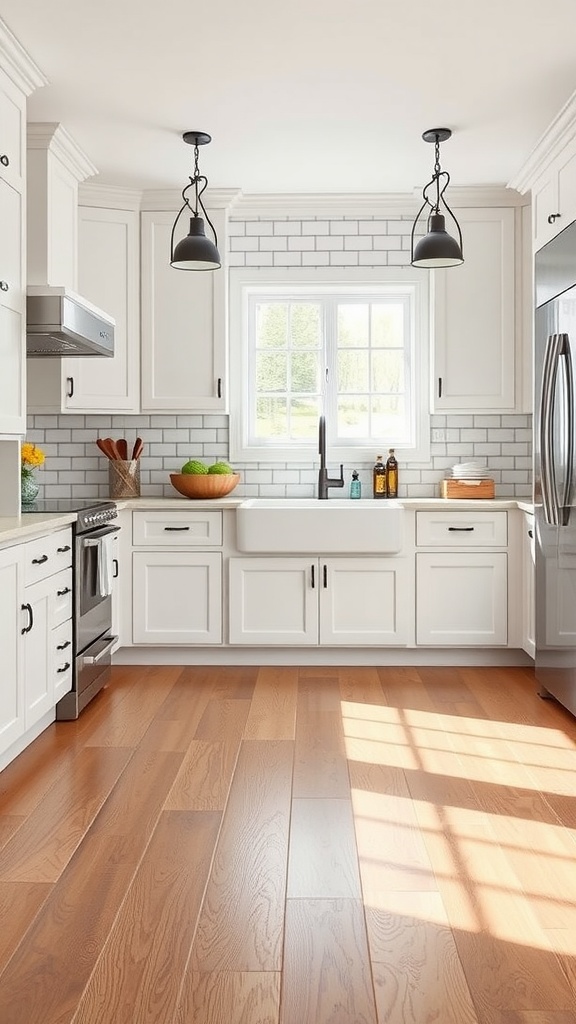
(92, 538)
(108, 642)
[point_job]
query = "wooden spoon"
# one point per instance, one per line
(122, 446)
(138, 448)
(104, 446)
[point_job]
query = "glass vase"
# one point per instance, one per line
(28, 489)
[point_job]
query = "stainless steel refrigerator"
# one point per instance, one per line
(554, 470)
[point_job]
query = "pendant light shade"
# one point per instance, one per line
(437, 248)
(195, 251)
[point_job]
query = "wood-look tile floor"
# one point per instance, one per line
(294, 846)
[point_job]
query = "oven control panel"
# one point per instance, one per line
(91, 518)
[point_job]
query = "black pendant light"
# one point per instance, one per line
(437, 248)
(195, 251)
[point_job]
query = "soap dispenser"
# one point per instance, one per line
(355, 486)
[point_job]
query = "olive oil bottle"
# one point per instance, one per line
(379, 478)
(391, 475)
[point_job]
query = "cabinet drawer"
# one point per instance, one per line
(462, 529)
(47, 555)
(63, 659)
(177, 529)
(62, 597)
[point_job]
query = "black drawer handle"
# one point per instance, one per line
(62, 550)
(4, 160)
(4, 286)
(28, 608)
(115, 572)
(40, 561)
(553, 216)
(61, 593)
(312, 576)
(325, 577)
(64, 668)
(176, 529)
(70, 382)
(62, 647)
(530, 533)
(461, 529)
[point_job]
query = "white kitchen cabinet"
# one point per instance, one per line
(177, 597)
(107, 275)
(12, 254)
(331, 601)
(528, 578)
(183, 324)
(11, 676)
(461, 598)
(554, 197)
(474, 318)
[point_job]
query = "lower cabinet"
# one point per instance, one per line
(461, 598)
(47, 644)
(11, 677)
(177, 597)
(331, 601)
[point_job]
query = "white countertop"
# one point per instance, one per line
(23, 527)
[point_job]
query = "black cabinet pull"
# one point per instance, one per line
(553, 216)
(4, 160)
(39, 561)
(62, 550)
(461, 529)
(312, 576)
(4, 286)
(176, 529)
(530, 533)
(70, 382)
(115, 565)
(28, 608)
(219, 387)
(62, 647)
(325, 576)
(64, 668)
(60, 593)
(439, 387)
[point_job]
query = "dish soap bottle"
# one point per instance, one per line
(379, 478)
(355, 486)
(391, 475)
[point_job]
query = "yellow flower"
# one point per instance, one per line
(31, 455)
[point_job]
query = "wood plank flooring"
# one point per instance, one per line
(294, 846)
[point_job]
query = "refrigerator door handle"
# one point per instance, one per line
(569, 427)
(547, 469)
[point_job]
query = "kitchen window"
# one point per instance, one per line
(355, 351)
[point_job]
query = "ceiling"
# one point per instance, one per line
(300, 96)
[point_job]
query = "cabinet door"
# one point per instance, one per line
(274, 601)
(38, 653)
(12, 133)
(177, 597)
(554, 197)
(364, 601)
(528, 573)
(461, 599)
(12, 340)
(108, 277)
(12, 620)
(474, 321)
(183, 325)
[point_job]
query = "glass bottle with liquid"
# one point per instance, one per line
(355, 486)
(391, 475)
(379, 478)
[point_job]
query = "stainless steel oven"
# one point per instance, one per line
(95, 566)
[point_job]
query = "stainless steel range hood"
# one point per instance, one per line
(61, 323)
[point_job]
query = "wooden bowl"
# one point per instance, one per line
(204, 485)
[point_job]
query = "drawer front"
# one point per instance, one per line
(158, 529)
(63, 658)
(462, 529)
(62, 599)
(47, 555)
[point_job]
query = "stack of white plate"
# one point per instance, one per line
(469, 471)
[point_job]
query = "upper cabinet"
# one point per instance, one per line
(183, 323)
(476, 349)
(18, 78)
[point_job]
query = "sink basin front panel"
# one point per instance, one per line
(310, 526)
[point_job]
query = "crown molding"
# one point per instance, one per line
(17, 64)
(366, 205)
(170, 199)
(109, 197)
(54, 137)
(559, 132)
